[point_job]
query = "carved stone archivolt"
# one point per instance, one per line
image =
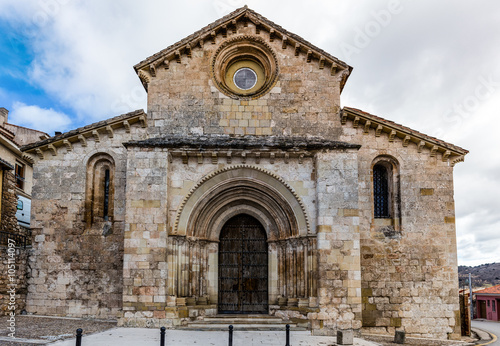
(241, 189)
(230, 191)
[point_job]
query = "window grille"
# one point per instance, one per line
(381, 192)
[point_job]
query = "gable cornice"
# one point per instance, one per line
(359, 119)
(147, 68)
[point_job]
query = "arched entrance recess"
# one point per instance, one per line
(193, 245)
(243, 267)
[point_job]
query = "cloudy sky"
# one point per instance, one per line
(431, 65)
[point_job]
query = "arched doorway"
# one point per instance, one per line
(243, 267)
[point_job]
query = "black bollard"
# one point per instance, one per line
(230, 335)
(287, 335)
(162, 336)
(79, 332)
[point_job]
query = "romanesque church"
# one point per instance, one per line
(246, 189)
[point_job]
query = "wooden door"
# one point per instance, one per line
(243, 267)
(482, 309)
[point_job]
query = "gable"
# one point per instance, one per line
(229, 25)
(294, 86)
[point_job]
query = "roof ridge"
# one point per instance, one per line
(27, 128)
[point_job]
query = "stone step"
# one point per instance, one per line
(244, 320)
(242, 323)
(241, 327)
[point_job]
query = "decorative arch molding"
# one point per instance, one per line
(242, 188)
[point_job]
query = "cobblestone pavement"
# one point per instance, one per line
(48, 329)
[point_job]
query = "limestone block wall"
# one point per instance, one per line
(305, 99)
(408, 266)
(164, 273)
(8, 203)
(13, 280)
(76, 267)
(338, 241)
(145, 241)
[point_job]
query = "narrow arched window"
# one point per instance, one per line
(381, 193)
(106, 195)
(99, 195)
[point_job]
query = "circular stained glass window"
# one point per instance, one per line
(245, 78)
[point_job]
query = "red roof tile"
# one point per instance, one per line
(489, 290)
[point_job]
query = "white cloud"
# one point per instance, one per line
(34, 117)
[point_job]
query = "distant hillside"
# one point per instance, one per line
(482, 275)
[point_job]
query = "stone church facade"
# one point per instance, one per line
(247, 189)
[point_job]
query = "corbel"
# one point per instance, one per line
(111, 133)
(188, 50)
(257, 158)
(169, 157)
(420, 146)
(184, 157)
(287, 158)
(126, 124)
(321, 62)
(367, 126)
(392, 135)
(406, 141)
(343, 119)
(245, 21)
(434, 150)
(378, 130)
(152, 70)
(82, 140)
(355, 122)
(166, 62)
(257, 27)
(284, 42)
(28, 159)
(272, 32)
(446, 155)
(200, 158)
(457, 160)
(224, 31)
(297, 49)
(215, 159)
(39, 153)
(309, 55)
(244, 157)
(52, 149)
(95, 134)
(272, 157)
(177, 56)
(301, 158)
(233, 25)
(333, 71)
(212, 36)
(229, 157)
(68, 145)
(143, 121)
(145, 78)
(200, 41)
